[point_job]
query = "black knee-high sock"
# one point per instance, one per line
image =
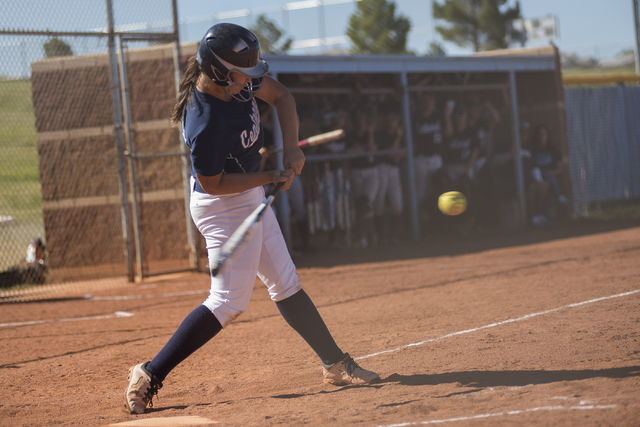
(301, 314)
(194, 332)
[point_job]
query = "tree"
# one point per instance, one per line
(269, 34)
(625, 52)
(478, 24)
(375, 29)
(56, 47)
(435, 49)
(571, 60)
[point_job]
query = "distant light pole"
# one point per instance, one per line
(322, 26)
(636, 27)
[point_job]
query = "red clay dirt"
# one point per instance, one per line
(539, 327)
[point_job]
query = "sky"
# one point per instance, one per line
(590, 28)
(598, 29)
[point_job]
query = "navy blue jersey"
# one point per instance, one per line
(482, 128)
(460, 146)
(547, 158)
(358, 142)
(222, 136)
(384, 141)
(427, 135)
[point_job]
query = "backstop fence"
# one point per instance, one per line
(603, 129)
(95, 178)
(77, 116)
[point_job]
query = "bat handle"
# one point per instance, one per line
(276, 189)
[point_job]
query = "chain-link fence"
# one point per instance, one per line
(604, 144)
(72, 102)
(94, 168)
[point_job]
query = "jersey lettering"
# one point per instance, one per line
(429, 128)
(432, 128)
(460, 144)
(249, 138)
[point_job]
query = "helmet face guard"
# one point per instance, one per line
(227, 49)
(244, 92)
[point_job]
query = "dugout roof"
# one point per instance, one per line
(411, 64)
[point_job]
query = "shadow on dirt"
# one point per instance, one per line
(166, 408)
(327, 256)
(483, 379)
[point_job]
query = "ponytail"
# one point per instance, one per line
(187, 86)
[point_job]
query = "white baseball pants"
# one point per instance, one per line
(424, 167)
(263, 254)
(390, 189)
(365, 182)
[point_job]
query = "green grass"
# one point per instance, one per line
(621, 211)
(597, 71)
(20, 191)
(19, 160)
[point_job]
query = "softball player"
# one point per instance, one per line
(221, 126)
(365, 179)
(427, 146)
(390, 189)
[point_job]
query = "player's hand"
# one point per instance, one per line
(293, 159)
(285, 176)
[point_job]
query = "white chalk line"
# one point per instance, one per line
(132, 297)
(73, 319)
(504, 322)
(110, 316)
(501, 414)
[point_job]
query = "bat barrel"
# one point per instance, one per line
(316, 140)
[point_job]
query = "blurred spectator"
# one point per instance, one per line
(461, 146)
(537, 190)
(334, 186)
(483, 117)
(548, 162)
(427, 145)
(460, 151)
(365, 179)
(32, 270)
(501, 181)
(390, 190)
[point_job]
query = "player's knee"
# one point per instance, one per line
(280, 292)
(364, 207)
(225, 311)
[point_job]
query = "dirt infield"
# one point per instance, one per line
(533, 328)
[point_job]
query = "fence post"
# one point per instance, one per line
(408, 137)
(120, 158)
(282, 201)
(131, 161)
(636, 32)
(515, 114)
(628, 190)
(192, 233)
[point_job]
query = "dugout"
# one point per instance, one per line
(380, 84)
(80, 161)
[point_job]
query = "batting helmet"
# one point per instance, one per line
(227, 48)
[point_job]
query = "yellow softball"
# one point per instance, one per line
(452, 203)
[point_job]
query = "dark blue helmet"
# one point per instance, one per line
(228, 48)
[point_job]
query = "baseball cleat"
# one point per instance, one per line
(141, 389)
(346, 372)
